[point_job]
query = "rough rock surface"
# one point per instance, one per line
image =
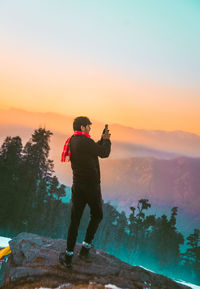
(34, 264)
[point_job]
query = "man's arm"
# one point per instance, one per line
(101, 148)
(104, 147)
(105, 141)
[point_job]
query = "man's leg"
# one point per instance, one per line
(78, 205)
(94, 200)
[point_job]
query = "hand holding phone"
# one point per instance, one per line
(105, 129)
(106, 134)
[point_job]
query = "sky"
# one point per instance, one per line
(136, 63)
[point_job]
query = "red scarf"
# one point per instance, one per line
(66, 154)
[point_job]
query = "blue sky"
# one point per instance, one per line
(146, 39)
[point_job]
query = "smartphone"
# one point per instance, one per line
(105, 128)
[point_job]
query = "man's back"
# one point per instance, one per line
(84, 158)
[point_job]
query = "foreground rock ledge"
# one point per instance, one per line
(34, 264)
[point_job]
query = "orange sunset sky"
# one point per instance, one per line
(117, 63)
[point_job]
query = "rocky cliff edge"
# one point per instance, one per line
(34, 263)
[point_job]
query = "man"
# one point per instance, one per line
(83, 153)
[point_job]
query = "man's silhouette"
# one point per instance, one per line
(83, 153)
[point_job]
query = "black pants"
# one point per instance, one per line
(83, 194)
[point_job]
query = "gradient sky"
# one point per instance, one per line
(131, 62)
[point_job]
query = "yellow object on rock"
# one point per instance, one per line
(5, 251)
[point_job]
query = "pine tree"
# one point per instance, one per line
(165, 242)
(37, 170)
(10, 165)
(139, 223)
(192, 255)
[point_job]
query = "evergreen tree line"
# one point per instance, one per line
(31, 201)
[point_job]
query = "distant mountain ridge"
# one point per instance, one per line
(176, 142)
(174, 181)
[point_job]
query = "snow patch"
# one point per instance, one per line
(111, 286)
(4, 241)
(147, 269)
(193, 286)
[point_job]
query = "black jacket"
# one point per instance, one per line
(84, 158)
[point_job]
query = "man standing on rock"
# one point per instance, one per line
(83, 153)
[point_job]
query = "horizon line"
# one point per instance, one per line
(114, 123)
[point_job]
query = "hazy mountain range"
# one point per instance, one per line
(175, 181)
(161, 166)
(178, 142)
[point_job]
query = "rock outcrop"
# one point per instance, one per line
(34, 263)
